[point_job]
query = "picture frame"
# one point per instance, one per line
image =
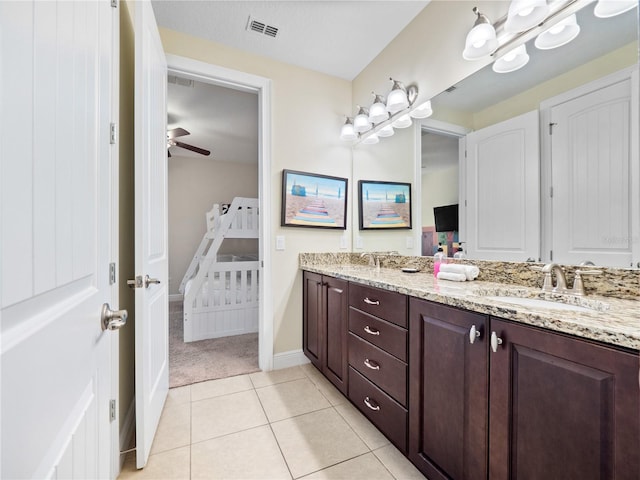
(312, 200)
(384, 205)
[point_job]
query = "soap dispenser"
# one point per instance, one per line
(438, 258)
(460, 252)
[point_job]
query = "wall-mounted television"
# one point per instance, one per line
(446, 218)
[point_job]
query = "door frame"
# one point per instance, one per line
(246, 82)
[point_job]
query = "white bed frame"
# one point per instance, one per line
(221, 292)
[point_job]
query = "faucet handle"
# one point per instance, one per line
(578, 285)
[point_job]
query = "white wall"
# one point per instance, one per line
(195, 184)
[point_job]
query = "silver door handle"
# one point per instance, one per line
(371, 302)
(370, 331)
(148, 281)
(495, 341)
(367, 402)
(112, 319)
(473, 334)
(372, 365)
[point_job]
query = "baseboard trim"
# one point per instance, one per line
(175, 297)
(292, 358)
(128, 429)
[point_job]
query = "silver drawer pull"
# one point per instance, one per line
(371, 365)
(367, 402)
(370, 331)
(371, 302)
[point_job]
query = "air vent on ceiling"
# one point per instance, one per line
(185, 82)
(261, 27)
(451, 89)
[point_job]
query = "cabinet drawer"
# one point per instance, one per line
(387, 305)
(387, 336)
(384, 412)
(386, 371)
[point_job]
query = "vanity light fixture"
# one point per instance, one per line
(560, 34)
(481, 39)
(512, 61)
(371, 139)
(403, 121)
(423, 110)
(386, 131)
(611, 8)
(397, 99)
(525, 14)
(361, 122)
(348, 132)
(378, 111)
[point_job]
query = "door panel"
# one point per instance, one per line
(151, 255)
(57, 103)
(312, 301)
(502, 190)
(336, 291)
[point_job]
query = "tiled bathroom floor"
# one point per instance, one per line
(284, 424)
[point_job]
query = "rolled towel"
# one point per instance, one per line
(454, 277)
(469, 271)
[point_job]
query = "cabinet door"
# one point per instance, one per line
(336, 317)
(561, 408)
(447, 391)
(312, 325)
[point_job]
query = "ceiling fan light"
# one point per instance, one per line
(348, 132)
(525, 14)
(611, 8)
(559, 34)
(386, 131)
(378, 111)
(423, 110)
(361, 122)
(481, 39)
(403, 121)
(397, 99)
(512, 61)
(371, 139)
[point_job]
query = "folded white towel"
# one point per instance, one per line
(469, 271)
(454, 277)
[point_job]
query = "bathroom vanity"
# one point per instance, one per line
(468, 383)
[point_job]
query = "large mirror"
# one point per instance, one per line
(487, 97)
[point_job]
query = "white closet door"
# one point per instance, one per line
(591, 175)
(503, 190)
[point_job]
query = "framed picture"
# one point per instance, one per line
(312, 200)
(384, 205)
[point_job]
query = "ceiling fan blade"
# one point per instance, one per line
(177, 132)
(199, 150)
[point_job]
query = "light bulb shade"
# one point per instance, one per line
(348, 132)
(512, 61)
(525, 14)
(403, 121)
(559, 34)
(371, 139)
(386, 131)
(378, 111)
(423, 110)
(361, 122)
(397, 99)
(611, 8)
(481, 41)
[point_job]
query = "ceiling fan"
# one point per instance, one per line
(181, 132)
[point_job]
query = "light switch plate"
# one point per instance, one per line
(409, 242)
(343, 241)
(359, 242)
(279, 242)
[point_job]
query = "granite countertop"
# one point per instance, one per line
(606, 319)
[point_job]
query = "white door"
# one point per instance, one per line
(503, 190)
(591, 172)
(58, 65)
(151, 253)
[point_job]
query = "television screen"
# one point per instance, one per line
(446, 218)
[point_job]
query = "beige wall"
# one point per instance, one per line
(126, 265)
(307, 109)
(439, 187)
(195, 184)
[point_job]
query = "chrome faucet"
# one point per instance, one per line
(374, 261)
(561, 280)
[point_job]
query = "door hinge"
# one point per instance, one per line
(113, 131)
(112, 410)
(551, 255)
(114, 3)
(551, 128)
(551, 192)
(112, 273)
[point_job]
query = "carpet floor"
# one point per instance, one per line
(203, 360)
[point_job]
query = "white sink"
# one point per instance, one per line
(539, 303)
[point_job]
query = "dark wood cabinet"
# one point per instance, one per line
(448, 391)
(560, 407)
(325, 328)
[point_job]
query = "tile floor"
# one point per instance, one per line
(283, 424)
